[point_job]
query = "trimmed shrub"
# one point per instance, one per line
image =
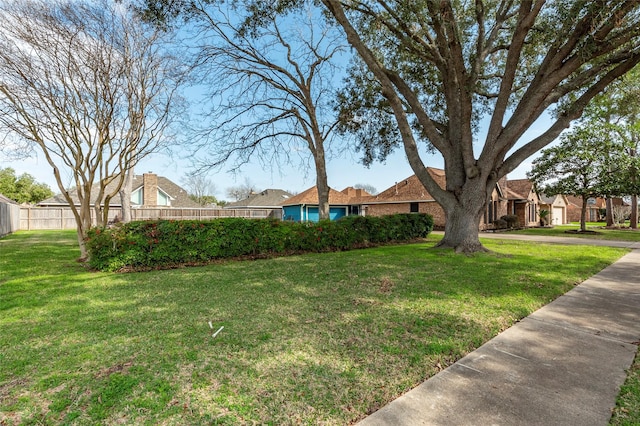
(500, 224)
(162, 244)
(511, 219)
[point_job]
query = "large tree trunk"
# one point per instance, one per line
(323, 195)
(462, 216)
(583, 213)
(609, 205)
(125, 197)
(461, 231)
(317, 150)
(633, 217)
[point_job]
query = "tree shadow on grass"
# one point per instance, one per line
(316, 338)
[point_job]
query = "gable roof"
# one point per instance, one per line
(550, 199)
(409, 189)
(179, 197)
(519, 189)
(269, 198)
(343, 198)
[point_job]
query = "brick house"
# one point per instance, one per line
(410, 196)
(523, 202)
(594, 208)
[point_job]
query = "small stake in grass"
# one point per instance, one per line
(216, 333)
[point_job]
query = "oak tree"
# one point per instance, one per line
(441, 66)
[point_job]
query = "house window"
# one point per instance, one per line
(163, 199)
(414, 208)
(354, 209)
(137, 197)
(532, 213)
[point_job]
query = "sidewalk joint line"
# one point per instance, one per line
(509, 353)
(470, 368)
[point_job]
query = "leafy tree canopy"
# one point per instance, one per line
(23, 188)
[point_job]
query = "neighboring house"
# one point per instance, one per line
(407, 196)
(410, 196)
(304, 206)
(269, 199)
(556, 205)
(594, 208)
(523, 202)
(148, 190)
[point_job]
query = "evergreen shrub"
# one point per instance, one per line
(511, 219)
(169, 243)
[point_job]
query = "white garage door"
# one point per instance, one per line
(558, 215)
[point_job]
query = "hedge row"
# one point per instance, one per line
(156, 244)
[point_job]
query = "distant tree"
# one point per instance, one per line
(204, 200)
(618, 108)
(367, 187)
(240, 192)
(23, 188)
(90, 86)
(580, 165)
(200, 189)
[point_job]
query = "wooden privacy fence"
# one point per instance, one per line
(9, 218)
(32, 218)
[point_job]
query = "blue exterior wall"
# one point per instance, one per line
(292, 213)
(310, 213)
(336, 213)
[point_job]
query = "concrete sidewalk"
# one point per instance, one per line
(558, 240)
(562, 365)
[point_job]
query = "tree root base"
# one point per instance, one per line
(464, 248)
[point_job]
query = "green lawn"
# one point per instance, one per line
(600, 232)
(627, 411)
(320, 338)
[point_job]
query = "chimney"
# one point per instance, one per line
(150, 189)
